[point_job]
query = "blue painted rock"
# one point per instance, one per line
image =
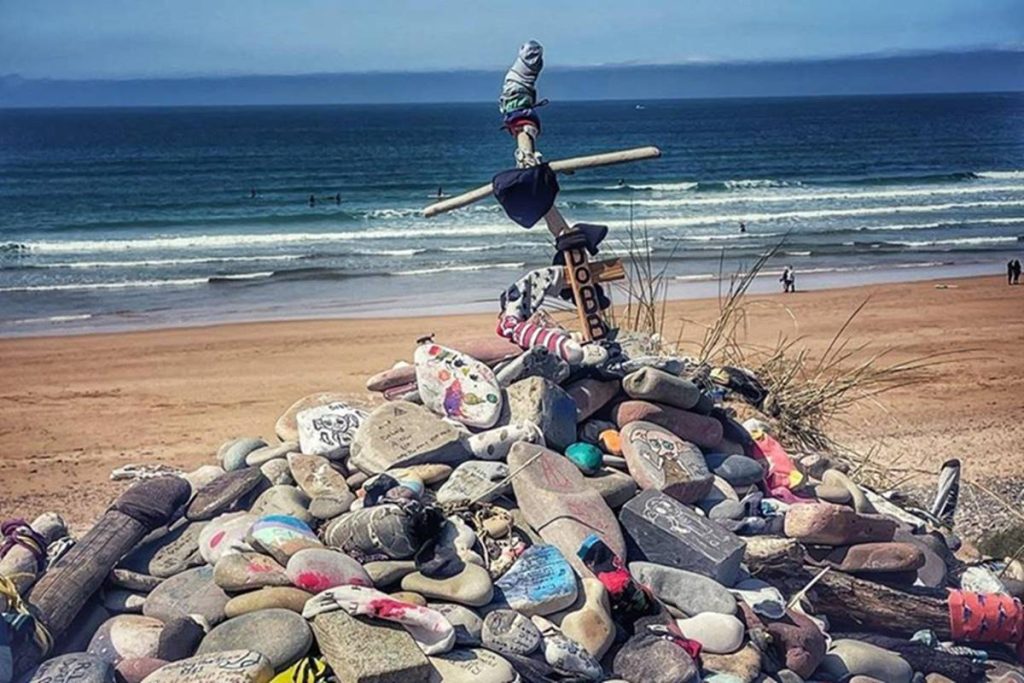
(662, 530)
(317, 569)
(585, 456)
(328, 430)
(704, 431)
(191, 592)
(225, 534)
(650, 384)
(280, 635)
(236, 666)
(282, 536)
(126, 636)
(658, 459)
(688, 592)
(232, 453)
(738, 470)
(457, 386)
(546, 405)
(400, 434)
(77, 667)
(557, 502)
(477, 481)
(540, 582)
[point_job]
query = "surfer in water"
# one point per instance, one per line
(743, 227)
(312, 200)
(337, 198)
(440, 191)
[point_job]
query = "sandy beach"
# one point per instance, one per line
(74, 407)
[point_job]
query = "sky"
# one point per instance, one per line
(118, 39)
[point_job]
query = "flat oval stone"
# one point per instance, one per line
(472, 586)
(287, 428)
(465, 621)
(191, 592)
(170, 554)
(557, 502)
(457, 386)
(540, 582)
(202, 475)
(651, 384)
(688, 592)
(506, 630)
(589, 621)
(474, 665)
(126, 636)
(546, 405)
(317, 569)
(868, 557)
(267, 453)
(564, 654)
(281, 536)
(494, 444)
(328, 429)
(616, 488)
(317, 476)
(232, 453)
(704, 431)
(400, 433)
(237, 666)
(77, 667)
(476, 480)
(224, 493)
(248, 571)
(651, 659)
(590, 395)
(717, 633)
(856, 658)
(282, 636)
(829, 524)
(277, 473)
(738, 470)
(133, 581)
(285, 597)
(388, 572)
(658, 459)
(283, 500)
(225, 534)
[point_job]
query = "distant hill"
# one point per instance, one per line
(972, 71)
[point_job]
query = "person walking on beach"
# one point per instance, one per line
(1009, 272)
(1016, 271)
(788, 280)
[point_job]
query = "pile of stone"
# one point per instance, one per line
(533, 522)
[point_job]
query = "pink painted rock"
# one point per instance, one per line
(699, 429)
(557, 502)
(829, 524)
(658, 459)
(591, 395)
(318, 569)
(248, 571)
(869, 557)
(457, 386)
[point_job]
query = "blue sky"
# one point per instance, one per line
(158, 38)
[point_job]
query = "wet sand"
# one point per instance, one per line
(74, 407)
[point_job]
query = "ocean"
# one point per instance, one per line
(137, 218)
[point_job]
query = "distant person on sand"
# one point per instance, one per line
(1009, 272)
(788, 280)
(1016, 271)
(312, 200)
(743, 227)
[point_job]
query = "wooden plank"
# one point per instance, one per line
(560, 166)
(608, 271)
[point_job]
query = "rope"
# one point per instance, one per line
(18, 532)
(43, 639)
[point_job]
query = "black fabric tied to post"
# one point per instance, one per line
(526, 194)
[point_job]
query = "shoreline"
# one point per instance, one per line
(75, 407)
(679, 288)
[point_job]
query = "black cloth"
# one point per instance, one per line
(526, 194)
(152, 502)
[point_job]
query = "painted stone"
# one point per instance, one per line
(706, 432)
(494, 444)
(540, 582)
(232, 453)
(394, 657)
(658, 459)
(650, 384)
(688, 592)
(509, 632)
(168, 555)
(248, 571)
(225, 493)
(276, 472)
(564, 654)
(287, 428)
(398, 434)
(328, 429)
(281, 536)
(588, 621)
(829, 524)
(318, 478)
(224, 535)
(536, 361)
(585, 456)
(457, 386)
(236, 666)
(126, 636)
(719, 634)
(77, 667)
(662, 530)
(476, 480)
(280, 635)
(317, 569)
(284, 597)
(191, 592)
(473, 665)
(556, 501)
(546, 405)
(590, 395)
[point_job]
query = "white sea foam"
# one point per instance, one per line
(52, 319)
(1001, 175)
(128, 284)
(461, 269)
(246, 276)
(170, 261)
(960, 241)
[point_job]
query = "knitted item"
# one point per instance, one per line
(987, 618)
(519, 89)
(627, 596)
(18, 532)
(528, 335)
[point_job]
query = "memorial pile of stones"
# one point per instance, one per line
(499, 516)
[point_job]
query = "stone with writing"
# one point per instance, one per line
(509, 632)
(473, 665)
(400, 433)
(280, 635)
(248, 571)
(540, 582)
(556, 501)
(564, 654)
(328, 429)
(235, 666)
(126, 636)
(465, 621)
(287, 427)
(382, 530)
(361, 651)
(662, 530)
(828, 524)
(457, 386)
(701, 430)
(191, 592)
(477, 481)
(548, 406)
(227, 492)
(658, 459)
(77, 667)
(169, 554)
(318, 478)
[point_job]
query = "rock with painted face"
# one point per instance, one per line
(457, 386)
(658, 459)
(328, 430)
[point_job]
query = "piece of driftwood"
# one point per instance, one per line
(561, 166)
(764, 554)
